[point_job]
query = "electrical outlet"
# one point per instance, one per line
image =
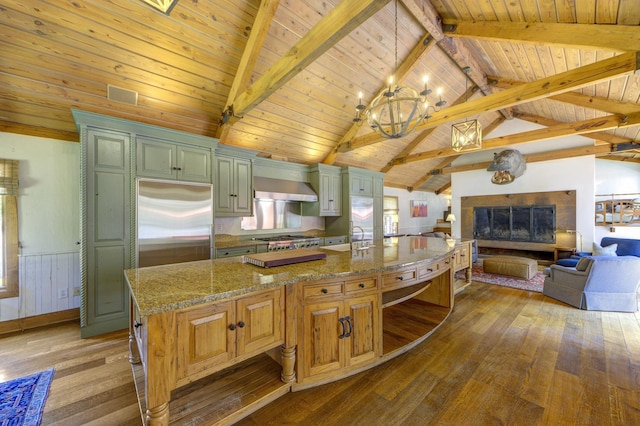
(76, 291)
(63, 293)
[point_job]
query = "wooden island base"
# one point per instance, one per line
(218, 362)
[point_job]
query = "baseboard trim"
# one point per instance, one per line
(27, 323)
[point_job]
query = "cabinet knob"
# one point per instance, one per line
(241, 324)
(400, 278)
(324, 291)
(361, 285)
(232, 327)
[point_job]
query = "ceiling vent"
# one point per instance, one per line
(119, 94)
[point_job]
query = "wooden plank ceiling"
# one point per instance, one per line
(284, 76)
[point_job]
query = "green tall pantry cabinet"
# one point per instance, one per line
(106, 225)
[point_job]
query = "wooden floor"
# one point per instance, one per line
(504, 356)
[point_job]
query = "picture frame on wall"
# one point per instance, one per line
(418, 208)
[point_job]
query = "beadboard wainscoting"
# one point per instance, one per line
(47, 283)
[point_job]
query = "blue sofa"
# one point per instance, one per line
(626, 247)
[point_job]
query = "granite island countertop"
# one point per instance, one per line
(158, 289)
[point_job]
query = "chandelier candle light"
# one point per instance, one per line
(397, 111)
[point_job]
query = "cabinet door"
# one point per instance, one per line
(330, 194)
(321, 341)
(260, 322)
(107, 234)
(155, 159)
(363, 315)
(194, 164)
(224, 184)
(205, 338)
(243, 197)
(462, 257)
(361, 185)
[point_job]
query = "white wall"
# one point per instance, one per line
(615, 177)
(436, 205)
(575, 174)
(48, 224)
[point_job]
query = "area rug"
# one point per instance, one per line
(534, 284)
(22, 400)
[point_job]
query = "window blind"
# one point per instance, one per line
(8, 177)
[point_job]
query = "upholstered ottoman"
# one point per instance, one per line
(513, 266)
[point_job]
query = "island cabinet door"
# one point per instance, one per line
(260, 322)
(206, 337)
(323, 330)
(363, 321)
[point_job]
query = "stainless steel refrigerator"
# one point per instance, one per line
(174, 222)
(361, 218)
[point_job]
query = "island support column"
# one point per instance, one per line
(161, 367)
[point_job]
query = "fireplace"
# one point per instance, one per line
(535, 224)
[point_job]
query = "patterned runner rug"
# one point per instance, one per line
(534, 284)
(22, 400)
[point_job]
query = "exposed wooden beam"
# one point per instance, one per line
(258, 34)
(428, 16)
(598, 136)
(619, 158)
(622, 38)
(585, 101)
(418, 52)
(42, 132)
(335, 25)
(625, 63)
(443, 188)
(426, 177)
(534, 158)
(553, 132)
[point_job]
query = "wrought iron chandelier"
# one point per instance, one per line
(466, 136)
(397, 111)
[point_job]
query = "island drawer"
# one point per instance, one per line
(360, 285)
(400, 278)
(323, 290)
(428, 270)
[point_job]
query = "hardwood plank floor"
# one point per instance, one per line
(504, 356)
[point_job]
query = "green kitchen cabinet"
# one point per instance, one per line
(105, 246)
(327, 182)
(364, 183)
(166, 160)
(234, 186)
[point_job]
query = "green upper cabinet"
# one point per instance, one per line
(327, 182)
(234, 186)
(361, 184)
(165, 160)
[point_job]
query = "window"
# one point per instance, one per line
(390, 214)
(8, 228)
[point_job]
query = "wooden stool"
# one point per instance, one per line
(513, 266)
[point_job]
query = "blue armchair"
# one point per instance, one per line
(598, 283)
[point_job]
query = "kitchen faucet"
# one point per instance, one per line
(361, 237)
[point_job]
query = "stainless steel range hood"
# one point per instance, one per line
(280, 189)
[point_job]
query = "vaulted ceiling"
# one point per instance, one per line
(282, 77)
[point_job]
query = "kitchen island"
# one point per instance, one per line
(212, 341)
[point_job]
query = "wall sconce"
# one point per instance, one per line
(163, 6)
